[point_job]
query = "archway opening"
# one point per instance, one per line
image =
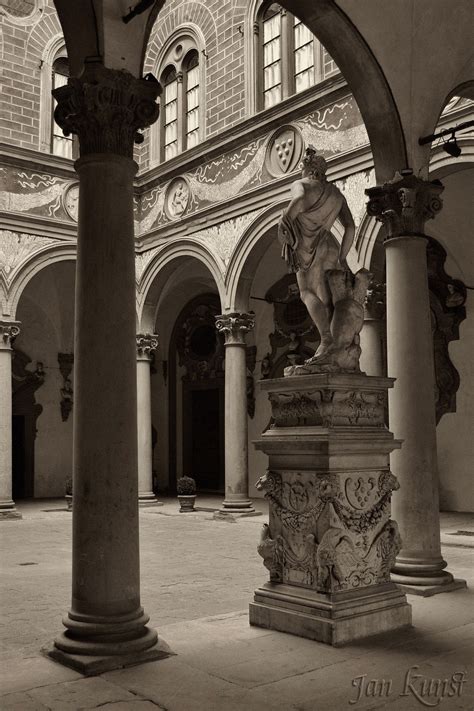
(42, 367)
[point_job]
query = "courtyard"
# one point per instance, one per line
(198, 574)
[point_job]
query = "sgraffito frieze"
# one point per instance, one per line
(16, 248)
(333, 129)
(34, 193)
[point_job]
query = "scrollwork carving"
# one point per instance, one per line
(235, 326)
(328, 407)
(405, 203)
(106, 108)
(329, 533)
(147, 343)
(9, 330)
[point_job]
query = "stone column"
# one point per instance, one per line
(8, 331)
(106, 625)
(403, 206)
(235, 326)
(371, 335)
(146, 344)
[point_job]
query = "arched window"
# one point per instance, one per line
(181, 117)
(170, 113)
(290, 58)
(191, 128)
(60, 145)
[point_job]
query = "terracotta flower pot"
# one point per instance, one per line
(186, 502)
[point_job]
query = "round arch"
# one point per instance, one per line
(364, 76)
(441, 165)
(159, 270)
(250, 250)
(36, 263)
(247, 254)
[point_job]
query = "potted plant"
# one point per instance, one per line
(69, 493)
(186, 487)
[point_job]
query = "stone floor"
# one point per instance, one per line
(198, 576)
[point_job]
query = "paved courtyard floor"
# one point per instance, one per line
(198, 576)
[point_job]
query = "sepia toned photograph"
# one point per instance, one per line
(236, 355)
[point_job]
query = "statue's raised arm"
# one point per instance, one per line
(312, 251)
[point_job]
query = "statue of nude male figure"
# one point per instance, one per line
(309, 248)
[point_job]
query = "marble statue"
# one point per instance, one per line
(331, 293)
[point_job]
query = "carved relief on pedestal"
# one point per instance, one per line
(328, 408)
(329, 531)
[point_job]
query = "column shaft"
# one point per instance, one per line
(236, 431)
(7, 505)
(145, 345)
(412, 413)
(105, 575)
(371, 357)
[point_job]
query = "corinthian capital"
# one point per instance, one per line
(147, 343)
(8, 331)
(405, 203)
(105, 108)
(235, 326)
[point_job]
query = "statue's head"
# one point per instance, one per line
(312, 165)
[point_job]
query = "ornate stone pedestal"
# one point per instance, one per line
(330, 543)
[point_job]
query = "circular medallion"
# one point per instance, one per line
(177, 198)
(284, 151)
(71, 201)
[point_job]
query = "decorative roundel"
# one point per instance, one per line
(284, 151)
(71, 201)
(177, 198)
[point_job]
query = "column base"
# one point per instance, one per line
(94, 665)
(427, 590)
(238, 507)
(148, 499)
(91, 641)
(415, 571)
(8, 511)
(332, 618)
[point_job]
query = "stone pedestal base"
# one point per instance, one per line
(8, 511)
(95, 665)
(334, 618)
(148, 499)
(330, 543)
